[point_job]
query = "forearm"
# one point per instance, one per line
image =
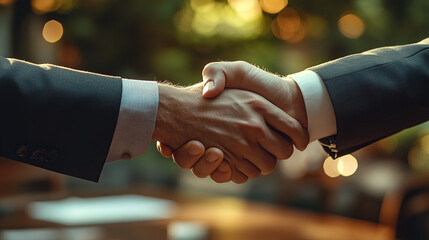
(60, 119)
(377, 93)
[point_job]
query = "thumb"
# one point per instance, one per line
(220, 75)
(213, 79)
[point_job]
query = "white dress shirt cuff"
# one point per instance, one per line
(136, 119)
(320, 112)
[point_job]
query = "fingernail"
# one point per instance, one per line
(194, 151)
(211, 157)
(208, 86)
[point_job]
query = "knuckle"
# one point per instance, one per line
(257, 105)
(210, 68)
(242, 64)
(252, 126)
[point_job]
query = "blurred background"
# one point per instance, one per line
(385, 184)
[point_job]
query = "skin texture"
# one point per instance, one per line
(283, 92)
(249, 130)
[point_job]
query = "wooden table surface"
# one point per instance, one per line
(224, 217)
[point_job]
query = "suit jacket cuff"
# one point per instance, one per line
(136, 120)
(320, 112)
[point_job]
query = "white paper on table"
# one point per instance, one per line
(112, 209)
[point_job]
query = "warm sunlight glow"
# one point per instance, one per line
(273, 6)
(425, 144)
(235, 19)
(45, 6)
(247, 9)
(199, 4)
(330, 167)
(418, 156)
(351, 26)
(347, 165)
(288, 26)
(52, 31)
(6, 2)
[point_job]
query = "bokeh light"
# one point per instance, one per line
(351, 26)
(45, 6)
(288, 26)
(197, 5)
(347, 165)
(6, 2)
(247, 9)
(424, 142)
(273, 6)
(235, 19)
(52, 31)
(418, 156)
(330, 167)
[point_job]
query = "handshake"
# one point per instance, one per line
(243, 122)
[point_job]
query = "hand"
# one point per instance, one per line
(203, 163)
(281, 91)
(236, 122)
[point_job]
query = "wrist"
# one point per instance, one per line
(175, 116)
(297, 108)
(167, 106)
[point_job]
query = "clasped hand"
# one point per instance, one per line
(245, 128)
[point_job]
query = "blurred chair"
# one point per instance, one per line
(407, 210)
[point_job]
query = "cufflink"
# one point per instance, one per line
(126, 156)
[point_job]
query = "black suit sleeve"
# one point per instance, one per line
(57, 118)
(376, 93)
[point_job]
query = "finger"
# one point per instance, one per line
(246, 167)
(165, 150)
(262, 159)
(188, 154)
(238, 177)
(223, 173)
(210, 161)
(279, 146)
(278, 119)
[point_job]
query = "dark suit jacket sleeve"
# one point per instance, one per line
(57, 118)
(376, 93)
